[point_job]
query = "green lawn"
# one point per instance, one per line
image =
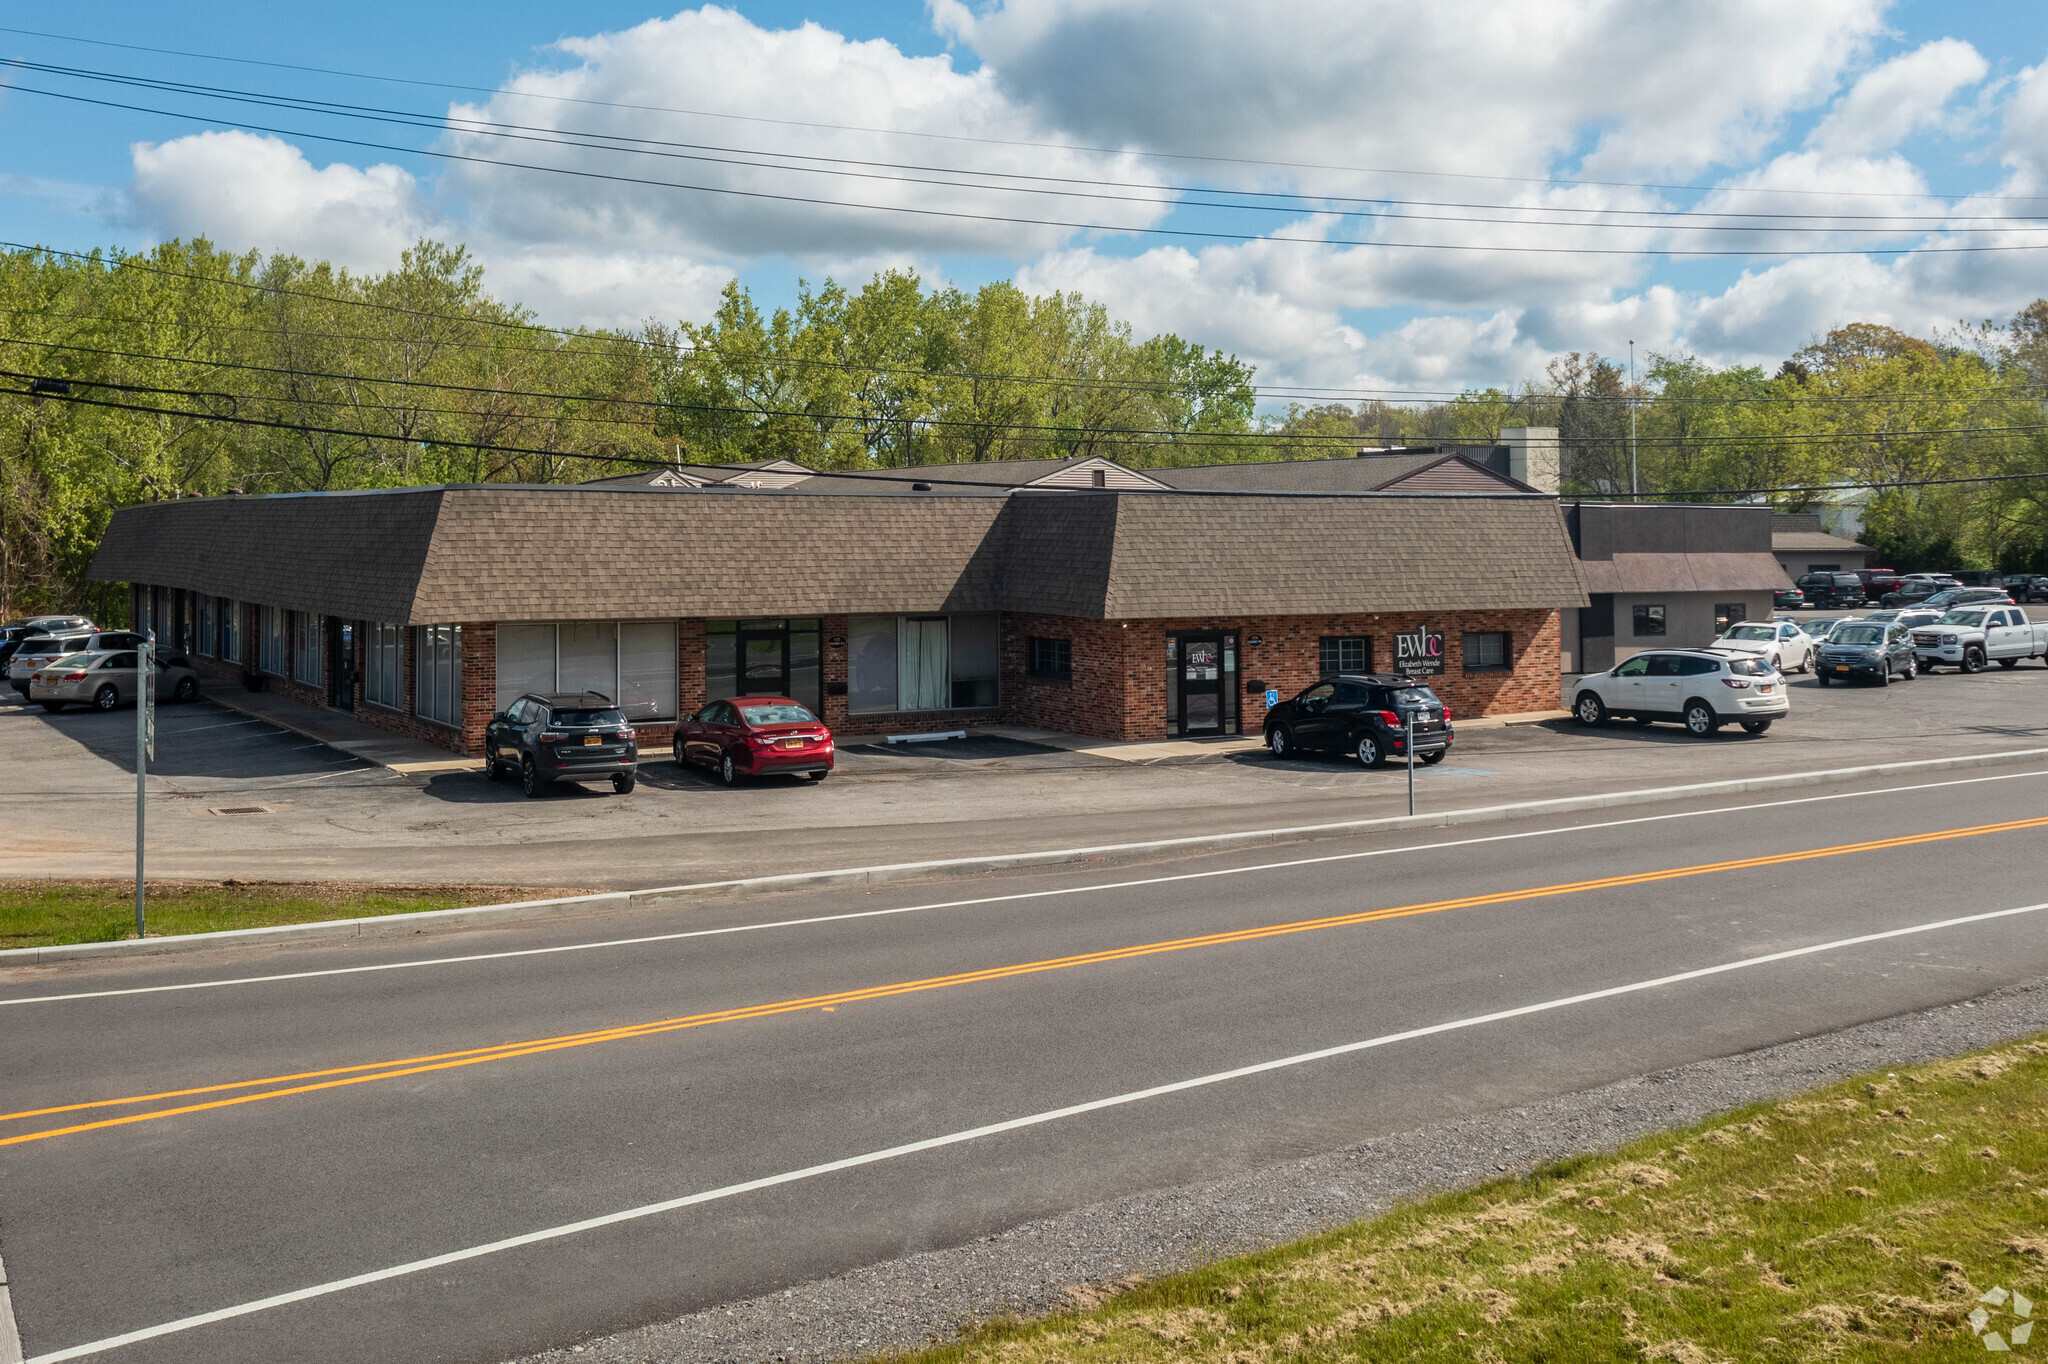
(1860, 1222)
(47, 913)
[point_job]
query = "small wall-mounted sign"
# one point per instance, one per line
(1253, 641)
(1272, 698)
(836, 642)
(1419, 652)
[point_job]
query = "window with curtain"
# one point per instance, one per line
(271, 640)
(587, 658)
(921, 663)
(309, 648)
(437, 673)
(382, 666)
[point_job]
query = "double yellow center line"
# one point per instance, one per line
(313, 1081)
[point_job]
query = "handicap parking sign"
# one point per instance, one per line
(1272, 698)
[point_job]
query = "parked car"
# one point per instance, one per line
(1908, 616)
(105, 680)
(1832, 589)
(1361, 714)
(755, 736)
(1957, 597)
(1979, 577)
(1817, 628)
(1784, 644)
(1974, 635)
(1788, 599)
(1915, 588)
(2026, 587)
(36, 650)
(1877, 649)
(1878, 581)
(1702, 689)
(546, 737)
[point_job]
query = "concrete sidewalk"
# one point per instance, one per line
(1152, 750)
(344, 733)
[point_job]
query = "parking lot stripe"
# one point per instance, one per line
(1051, 1115)
(340, 1077)
(1095, 888)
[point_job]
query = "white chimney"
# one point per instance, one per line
(1533, 456)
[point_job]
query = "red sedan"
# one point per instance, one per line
(754, 736)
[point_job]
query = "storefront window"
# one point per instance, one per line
(1649, 620)
(633, 663)
(911, 663)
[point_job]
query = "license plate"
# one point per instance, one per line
(792, 743)
(1841, 667)
(591, 741)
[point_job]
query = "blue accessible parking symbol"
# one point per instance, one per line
(1272, 698)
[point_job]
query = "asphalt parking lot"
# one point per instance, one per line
(310, 812)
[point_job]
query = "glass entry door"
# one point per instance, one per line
(1201, 684)
(763, 658)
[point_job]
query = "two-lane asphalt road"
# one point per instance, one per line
(475, 1145)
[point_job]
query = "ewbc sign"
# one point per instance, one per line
(1419, 652)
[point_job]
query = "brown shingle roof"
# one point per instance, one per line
(1419, 471)
(1684, 573)
(499, 552)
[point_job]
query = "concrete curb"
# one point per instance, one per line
(397, 925)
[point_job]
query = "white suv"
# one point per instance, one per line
(1702, 689)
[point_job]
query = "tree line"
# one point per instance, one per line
(187, 371)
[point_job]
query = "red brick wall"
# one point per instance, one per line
(1099, 699)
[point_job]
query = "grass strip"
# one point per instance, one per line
(1866, 1221)
(49, 913)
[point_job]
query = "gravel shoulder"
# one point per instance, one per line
(1081, 1256)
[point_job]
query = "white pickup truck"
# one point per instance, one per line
(1971, 636)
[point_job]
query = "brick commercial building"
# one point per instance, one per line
(911, 601)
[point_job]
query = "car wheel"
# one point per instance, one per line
(622, 782)
(1278, 741)
(1369, 752)
(531, 781)
(1756, 726)
(187, 690)
(53, 706)
(1973, 659)
(1700, 720)
(1589, 709)
(492, 771)
(1432, 759)
(727, 771)
(1912, 669)
(1824, 679)
(2008, 663)
(106, 698)
(676, 749)
(1884, 676)
(818, 776)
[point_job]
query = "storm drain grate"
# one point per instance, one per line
(239, 810)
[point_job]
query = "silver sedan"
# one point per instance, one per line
(105, 680)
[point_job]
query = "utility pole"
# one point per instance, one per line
(145, 749)
(1634, 488)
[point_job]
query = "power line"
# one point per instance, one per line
(501, 92)
(1285, 202)
(956, 215)
(1097, 435)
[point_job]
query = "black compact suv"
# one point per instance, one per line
(550, 737)
(1831, 590)
(1360, 713)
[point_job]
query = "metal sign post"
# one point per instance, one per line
(145, 750)
(1407, 742)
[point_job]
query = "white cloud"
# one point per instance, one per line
(767, 79)
(2024, 141)
(1892, 102)
(249, 191)
(1457, 85)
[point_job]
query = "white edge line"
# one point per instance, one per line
(10, 1338)
(474, 914)
(814, 920)
(989, 1130)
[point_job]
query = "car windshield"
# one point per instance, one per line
(1968, 619)
(1882, 615)
(777, 715)
(1414, 696)
(1858, 634)
(1749, 667)
(586, 719)
(1752, 632)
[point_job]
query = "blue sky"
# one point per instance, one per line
(1825, 114)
